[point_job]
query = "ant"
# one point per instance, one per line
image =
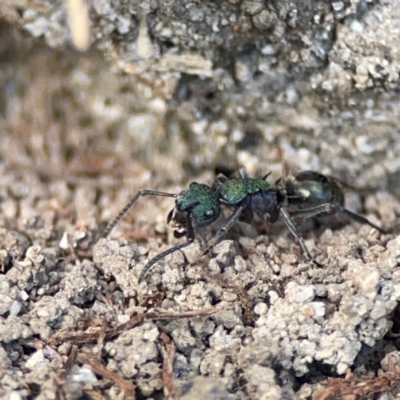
(308, 193)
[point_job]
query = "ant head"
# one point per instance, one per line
(200, 203)
(178, 219)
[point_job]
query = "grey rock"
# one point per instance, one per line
(15, 307)
(225, 253)
(300, 294)
(204, 87)
(16, 244)
(13, 328)
(5, 303)
(206, 388)
(150, 378)
(50, 309)
(80, 374)
(36, 360)
(4, 285)
(181, 334)
(261, 383)
(134, 348)
(221, 341)
(228, 318)
(213, 363)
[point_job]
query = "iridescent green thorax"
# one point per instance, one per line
(233, 191)
(202, 202)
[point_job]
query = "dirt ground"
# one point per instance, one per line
(81, 133)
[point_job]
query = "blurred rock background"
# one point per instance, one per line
(167, 92)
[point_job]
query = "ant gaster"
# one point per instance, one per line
(310, 193)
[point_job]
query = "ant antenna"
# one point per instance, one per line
(144, 192)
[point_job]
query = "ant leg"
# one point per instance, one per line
(225, 228)
(190, 239)
(311, 212)
(240, 174)
(160, 256)
(265, 177)
(358, 218)
(330, 208)
(221, 178)
(296, 233)
(144, 192)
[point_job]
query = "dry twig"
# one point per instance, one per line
(345, 389)
(101, 333)
(168, 352)
(128, 387)
(94, 333)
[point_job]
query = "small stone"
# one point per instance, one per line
(273, 296)
(243, 72)
(356, 26)
(261, 309)
(14, 395)
(15, 307)
(369, 284)
(36, 360)
(342, 368)
(65, 242)
(220, 340)
(265, 19)
(252, 7)
(299, 294)
(228, 318)
(262, 383)
(225, 252)
(379, 310)
(182, 336)
(4, 285)
(81, 374)
(212, 363)
(150, 378)
(5, 303)
(195, 357)
(319, 309)
(391, 362)
(16, 244)
(355, 306)
(206, 388)
(23, 295)
(337, 5)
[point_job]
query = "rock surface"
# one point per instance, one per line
(174, 92)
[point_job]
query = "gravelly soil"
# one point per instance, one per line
(253, 320)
